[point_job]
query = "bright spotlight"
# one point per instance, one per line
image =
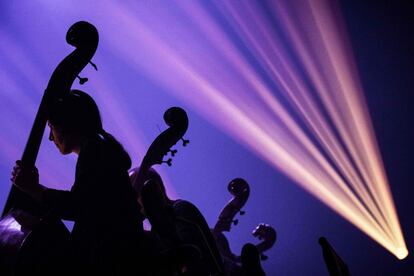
(305, 113)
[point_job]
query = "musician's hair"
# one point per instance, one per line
(77, 112)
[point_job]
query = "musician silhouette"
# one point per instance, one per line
(107, 237)
(250, 260)
(184, 235)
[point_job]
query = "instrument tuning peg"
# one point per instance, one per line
(185, 142)
(93, 65)
(168, 162)
(235, 222)
(242, 212)
(82, 80)
(173, 152)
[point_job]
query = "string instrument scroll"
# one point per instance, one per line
(240, 190)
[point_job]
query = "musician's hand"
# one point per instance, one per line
(27, 180)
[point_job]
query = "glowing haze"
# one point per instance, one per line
(279, 77)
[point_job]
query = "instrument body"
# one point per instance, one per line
(30, 240)
(29, 244)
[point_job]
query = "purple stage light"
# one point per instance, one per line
(279, 77)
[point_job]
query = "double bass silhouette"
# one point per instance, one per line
(30, 240)
(180, 243)
(236, 264)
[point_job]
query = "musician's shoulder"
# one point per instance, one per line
(96, 151)
(181, 203)
(186, 209)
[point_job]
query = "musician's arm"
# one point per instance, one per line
(62, 203)
(73, 204)
(80, 201)
(69, 205)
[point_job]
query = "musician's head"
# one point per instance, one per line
(138, 185)
(250, 259)
(72, 119)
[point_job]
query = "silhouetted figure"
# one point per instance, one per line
(250, 260)
(336, 266)
(182, 232)
(107, 237)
